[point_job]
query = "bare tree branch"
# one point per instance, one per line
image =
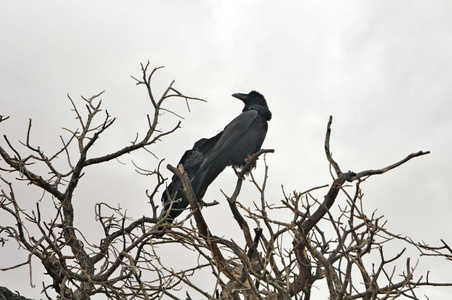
(310, 239)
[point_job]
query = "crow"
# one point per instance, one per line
(241, 138)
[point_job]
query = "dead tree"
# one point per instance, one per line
(281, 258)
(267, 268)
(78, 267)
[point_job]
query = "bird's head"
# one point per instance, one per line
(254, 100)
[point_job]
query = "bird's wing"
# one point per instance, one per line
(205, 145)
(210, 168)
(234, 130)
(194, 157)
(191, 159)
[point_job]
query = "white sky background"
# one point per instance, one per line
(383, 69)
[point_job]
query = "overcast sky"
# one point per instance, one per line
(383, 69)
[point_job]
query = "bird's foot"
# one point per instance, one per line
(249, 160)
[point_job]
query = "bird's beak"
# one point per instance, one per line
(240, 96)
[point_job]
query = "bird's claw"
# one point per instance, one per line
(251, 162)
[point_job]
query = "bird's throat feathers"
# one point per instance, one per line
(261, 110)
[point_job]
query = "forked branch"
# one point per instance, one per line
(330, 197)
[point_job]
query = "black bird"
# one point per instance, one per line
(241, 138)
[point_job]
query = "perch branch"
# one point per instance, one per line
(203, 228)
